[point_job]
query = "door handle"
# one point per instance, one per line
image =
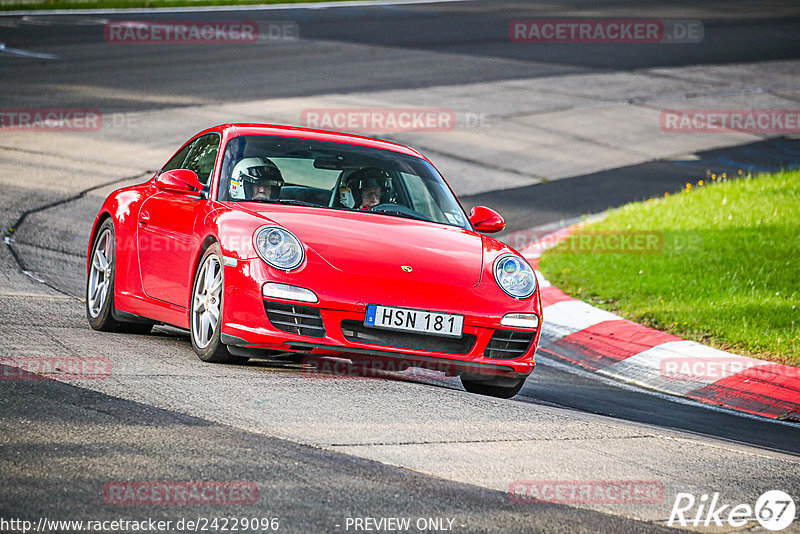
(144, 218)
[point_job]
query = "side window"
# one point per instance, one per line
(202, 156)
(177, 160)
(234, 151)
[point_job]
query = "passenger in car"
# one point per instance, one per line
(365, 188)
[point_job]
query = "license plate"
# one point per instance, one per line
(408, 320)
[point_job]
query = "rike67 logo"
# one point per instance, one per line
(774, 510)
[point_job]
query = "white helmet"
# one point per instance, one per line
(250, 172)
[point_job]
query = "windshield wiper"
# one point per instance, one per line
(291, 201)
(398, 213)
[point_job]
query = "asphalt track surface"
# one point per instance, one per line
(475, 31)
(62, 442)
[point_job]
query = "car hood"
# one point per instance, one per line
(384, 245)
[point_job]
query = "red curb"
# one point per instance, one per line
(766, 389)
(609, 342)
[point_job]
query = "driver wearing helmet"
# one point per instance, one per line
(367, 188)
(255, 179)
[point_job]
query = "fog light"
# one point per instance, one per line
(520, 320)
(287, 292)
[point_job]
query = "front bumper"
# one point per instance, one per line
(335, 325)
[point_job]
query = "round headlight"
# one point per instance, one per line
(515, 276)
(279, 247)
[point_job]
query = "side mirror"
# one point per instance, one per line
(486, 220)
(181, 181)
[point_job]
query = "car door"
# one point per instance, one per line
(166, 227)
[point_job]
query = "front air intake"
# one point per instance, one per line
(509, 344)
(301, 320)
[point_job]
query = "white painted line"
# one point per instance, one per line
(564, 318)
(25, 53)
(198, 9)
(43, 20)
(679, 367)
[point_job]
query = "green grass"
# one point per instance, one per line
(13, 5)
(728, 274)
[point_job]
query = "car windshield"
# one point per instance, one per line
(258, 168)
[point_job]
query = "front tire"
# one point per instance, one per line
(100, 286)
(205, 316)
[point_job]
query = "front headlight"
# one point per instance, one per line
(514, 276)
(278, 247)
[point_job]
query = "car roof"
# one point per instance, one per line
(237, 129)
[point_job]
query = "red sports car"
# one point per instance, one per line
(270, 238)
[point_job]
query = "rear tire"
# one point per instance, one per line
(100, 286)
(205, 314)
(505, 390)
